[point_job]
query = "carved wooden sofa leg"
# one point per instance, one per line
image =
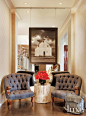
(19, 100)
(64, 102)
(52, 98)
(9, 104)
(32, 100)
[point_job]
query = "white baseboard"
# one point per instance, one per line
(2, 98)
(83, 95)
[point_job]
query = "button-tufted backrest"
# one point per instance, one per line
(67, 81)
(17, 81)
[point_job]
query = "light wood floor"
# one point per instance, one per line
(26, 109)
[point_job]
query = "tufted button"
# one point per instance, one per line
(60, 76)
(74, 82)
(59, 87)
(77, 77)
(65, 81)
(14, 81)
(59, 81)
(12, 86)
(67, 86)
(22, 80)
(70, 81)
(68, 76)
(64, 76)
(18, 80)
(7, 77)
(72, 76)
(11, 76)
(15, 75)
(24, 75)
(72, 86)
(10, 81)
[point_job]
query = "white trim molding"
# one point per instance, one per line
(76, 6)
(9, 4)
(83, 95)
(2, 98)
(68, 18)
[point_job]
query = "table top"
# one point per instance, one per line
(38, 84)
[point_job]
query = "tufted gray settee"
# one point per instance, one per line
(66, 84)
(17, 86)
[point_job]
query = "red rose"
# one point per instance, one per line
(42, 75)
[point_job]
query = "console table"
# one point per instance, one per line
(42, 93)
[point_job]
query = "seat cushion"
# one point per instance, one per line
(20, 94)
(61, 93)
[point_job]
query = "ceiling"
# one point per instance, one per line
(43, 3)
(42, 13)
(40, 18)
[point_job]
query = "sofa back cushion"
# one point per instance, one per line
(67, 81)
(17, 81)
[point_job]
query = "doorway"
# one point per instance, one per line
(65, 57)
(43, 53)
(64, 52)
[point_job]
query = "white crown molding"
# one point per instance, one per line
(9, 4)
(18, 16)
(11, 7)
(76, 6)
(64, 24)
(13, 11)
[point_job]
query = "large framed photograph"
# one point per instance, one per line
(43, 45)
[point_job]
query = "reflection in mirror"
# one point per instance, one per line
(47, 17)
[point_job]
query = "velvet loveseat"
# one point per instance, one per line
(66, 84)
(17, 86)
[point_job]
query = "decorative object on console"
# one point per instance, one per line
(42, 76)
(55, 67)
(43, 45)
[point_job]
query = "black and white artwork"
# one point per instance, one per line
(43, 45)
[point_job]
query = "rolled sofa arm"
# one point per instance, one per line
(76, 90)
(8, 90)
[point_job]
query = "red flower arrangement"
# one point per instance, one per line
(42, 75)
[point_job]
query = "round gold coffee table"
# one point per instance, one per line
(42, 93)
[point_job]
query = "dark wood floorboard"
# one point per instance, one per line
(26, 109)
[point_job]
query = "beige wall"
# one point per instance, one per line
(5, 19)
(77, 43)
(80, 43)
